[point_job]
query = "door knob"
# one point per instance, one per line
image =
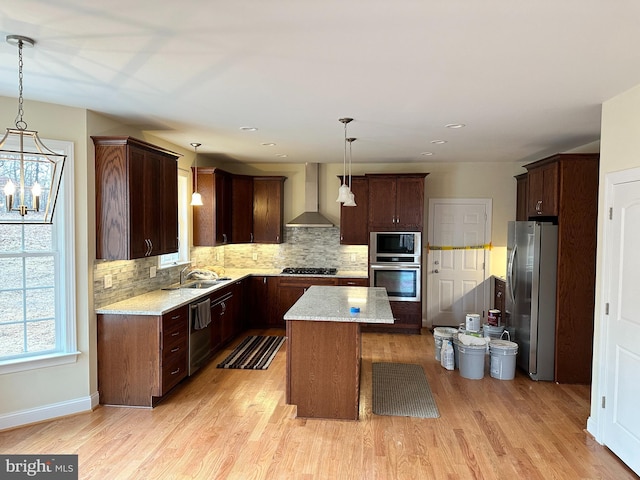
(436, 271)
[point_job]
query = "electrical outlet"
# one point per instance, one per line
(255, 255)
(353, 258)
(108, 281)
(152, 272)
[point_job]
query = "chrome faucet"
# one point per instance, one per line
(182, 273)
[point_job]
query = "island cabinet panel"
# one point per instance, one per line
(323, 369)
(136, 199)
(354, 221)
(268, 209)
(141, 357)
(396, 202)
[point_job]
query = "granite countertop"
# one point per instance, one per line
(333, 304)
(159, 302)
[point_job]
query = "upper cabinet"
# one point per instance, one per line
(521, 197)
(241, 209)
(396, 202)
(136, 199)
(212, 220)
(542, 192)
(238, 208)
(354, 221)
(268, 209)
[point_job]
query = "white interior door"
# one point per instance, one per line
(455, 275)
(621, 431)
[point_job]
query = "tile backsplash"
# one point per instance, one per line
(302, 247)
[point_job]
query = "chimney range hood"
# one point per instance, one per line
(311, 217)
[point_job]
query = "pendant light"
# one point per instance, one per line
(32, 172)
(344, 190)
(351, 200)
(196, 198)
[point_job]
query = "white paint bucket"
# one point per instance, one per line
(439, 334)
(471, 359)
(473, 322)
(503, 359)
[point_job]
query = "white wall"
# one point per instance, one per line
(619, 150)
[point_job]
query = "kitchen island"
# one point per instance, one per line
(324, 348)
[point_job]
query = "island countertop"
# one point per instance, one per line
(333, 304)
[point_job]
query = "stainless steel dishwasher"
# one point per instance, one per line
(201, 341)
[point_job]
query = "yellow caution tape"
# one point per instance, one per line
(486, 246)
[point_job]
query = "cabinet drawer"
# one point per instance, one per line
(353, 282)
(176, 318)
(305, 282)
(177, 348)
(173, 372)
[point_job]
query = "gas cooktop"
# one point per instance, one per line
(310, 271)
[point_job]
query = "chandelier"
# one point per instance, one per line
(30, 172)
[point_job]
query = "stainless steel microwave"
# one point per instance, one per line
(395, 247)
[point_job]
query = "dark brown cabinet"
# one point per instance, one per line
(136, 199)
(522, 190)
(258, 301)
(396, 202)
(354, 221)
(542, 190)
(141, 357)
(407, 319)
(569, 185)
(289, 290)
(241, 209)
(268, 209)
(212, 220)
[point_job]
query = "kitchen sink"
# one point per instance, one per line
(200, 284)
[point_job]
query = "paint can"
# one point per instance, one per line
(493, 318)
(473, 322)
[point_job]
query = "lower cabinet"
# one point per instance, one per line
(408, 319)
(141, 357)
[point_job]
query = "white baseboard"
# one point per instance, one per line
(49, 412)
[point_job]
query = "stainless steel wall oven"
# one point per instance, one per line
(395, 264)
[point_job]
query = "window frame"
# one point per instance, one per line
(64, 235)
(183, 226)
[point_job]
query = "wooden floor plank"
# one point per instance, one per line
(234, 424)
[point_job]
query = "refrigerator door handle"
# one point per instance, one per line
(511, 274)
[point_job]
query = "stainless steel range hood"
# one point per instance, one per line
(311, 217)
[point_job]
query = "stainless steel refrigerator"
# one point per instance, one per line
(530, 304)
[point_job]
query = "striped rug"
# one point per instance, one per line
(254, 353)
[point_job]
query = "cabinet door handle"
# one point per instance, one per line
(175, 334)
(539, 206)
(174, 350)
(176, 371)
(499, 294)
(224, 238)
(251, 237)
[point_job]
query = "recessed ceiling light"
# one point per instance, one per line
(249, 129)
(455, 125)
(438, 142)
(268, 144)
(426, 154)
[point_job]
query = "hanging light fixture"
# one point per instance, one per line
(351, 201)
(196, 198)
(30, 172)
(345, 189)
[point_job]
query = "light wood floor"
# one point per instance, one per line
(234, 424)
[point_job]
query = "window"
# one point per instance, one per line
(182, 255)
(37, 293)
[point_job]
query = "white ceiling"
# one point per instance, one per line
(526, 77)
